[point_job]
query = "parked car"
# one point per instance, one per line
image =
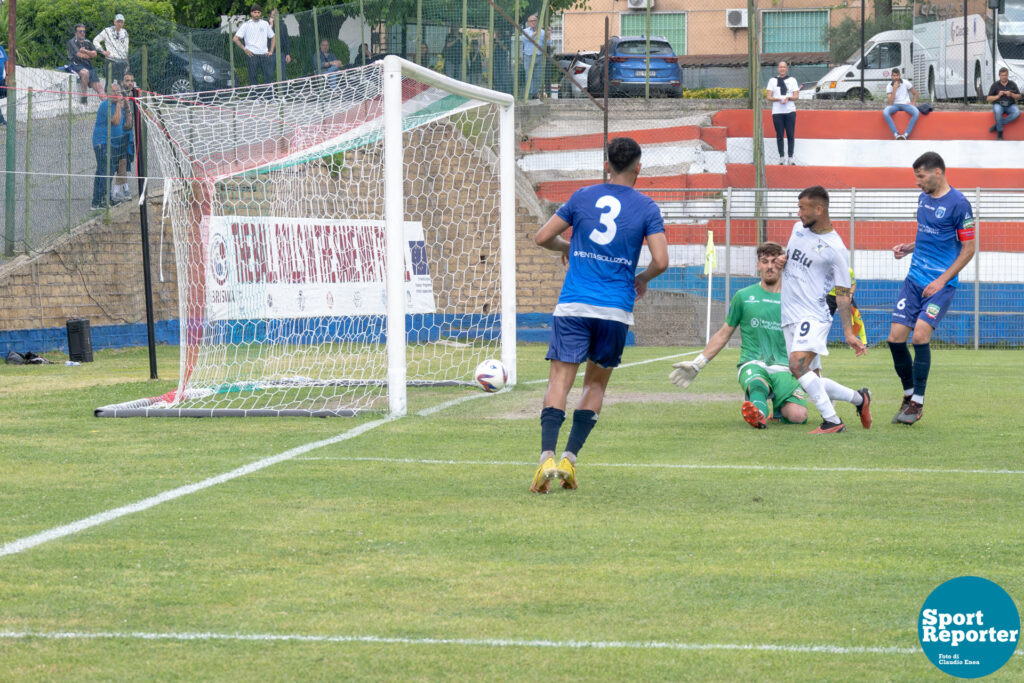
(208, 72)
(577, 64)
(627, 68)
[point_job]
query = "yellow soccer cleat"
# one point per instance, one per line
(567, 473)
(543, 476)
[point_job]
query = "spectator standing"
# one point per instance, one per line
(328, 63)
(3, 81)
(475, 65)
(1003, 95)
(258, 46)
(105, 132)
(123, 148)
(81, 52)
(452, 53)
(529, 50)
(900, 95)
(783, 90)
(112, 42)
(284, 43)
(502, 63)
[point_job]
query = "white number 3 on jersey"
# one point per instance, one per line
(607, 219)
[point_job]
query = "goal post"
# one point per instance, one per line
(338, 239)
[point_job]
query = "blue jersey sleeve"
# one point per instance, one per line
(567, 211)
(654, 223)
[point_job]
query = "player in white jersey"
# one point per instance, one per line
(816, 260)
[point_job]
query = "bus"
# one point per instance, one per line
(993, 40)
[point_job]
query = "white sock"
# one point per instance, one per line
(815, 389)
(917, 399)
(838, 392)
(125, 192)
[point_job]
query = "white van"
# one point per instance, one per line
(882, 52)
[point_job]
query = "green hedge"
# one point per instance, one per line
(716, 93)
(45, 26)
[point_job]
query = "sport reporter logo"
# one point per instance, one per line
(969, 627)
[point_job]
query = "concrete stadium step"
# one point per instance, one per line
(987, 154)
(644, 132)
(869, 125)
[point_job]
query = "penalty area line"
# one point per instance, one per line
(23, 544)
(469, 642)
(664, 466)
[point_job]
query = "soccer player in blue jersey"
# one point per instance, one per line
(943, 246)
(609, 224)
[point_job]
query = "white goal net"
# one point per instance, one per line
(338, 238)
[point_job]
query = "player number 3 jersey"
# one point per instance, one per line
(609, 224)
(814, 265)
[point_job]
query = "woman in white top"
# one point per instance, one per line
(782, 91)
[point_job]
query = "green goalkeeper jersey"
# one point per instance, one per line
(758, 314)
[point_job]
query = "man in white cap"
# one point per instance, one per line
(112, 43)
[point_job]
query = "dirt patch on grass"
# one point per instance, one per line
(531, 411)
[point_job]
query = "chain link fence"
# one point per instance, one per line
(988, 309)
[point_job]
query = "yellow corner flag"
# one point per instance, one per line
(709, 256)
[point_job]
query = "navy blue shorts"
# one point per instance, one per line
(576, 339)
(910, 307)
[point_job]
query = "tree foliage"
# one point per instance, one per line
(45, 26)
(207, 13)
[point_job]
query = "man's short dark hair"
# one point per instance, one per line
(929, 161)
(1004, 70)
(896, 72)
(79, 26)
(622, 152)
(769, 249)
(255, 8)
(815, 192)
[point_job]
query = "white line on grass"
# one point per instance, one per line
(668, 466)
(472, 642)
(55, 533)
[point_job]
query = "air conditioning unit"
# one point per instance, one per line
(639, 4)
(735, 18)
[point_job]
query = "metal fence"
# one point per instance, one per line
(988, 309)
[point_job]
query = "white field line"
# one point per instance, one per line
(55, 533)
(471, 642)
(668, 466)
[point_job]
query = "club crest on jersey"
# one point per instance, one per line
(940, 212)
(820, 247)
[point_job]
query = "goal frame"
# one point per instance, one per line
(393, 70)
(394, 202)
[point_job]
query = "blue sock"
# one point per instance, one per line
(903, 363)
(551, 420)
(922, 364)
(582, 422)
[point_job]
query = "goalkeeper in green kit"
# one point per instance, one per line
(764, 364)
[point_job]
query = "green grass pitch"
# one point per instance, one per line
(696, 548)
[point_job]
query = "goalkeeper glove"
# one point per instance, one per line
(686, 370)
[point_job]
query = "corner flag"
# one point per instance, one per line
(709, 256)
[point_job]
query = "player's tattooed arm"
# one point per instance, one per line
(844, 291)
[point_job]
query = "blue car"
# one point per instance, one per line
(628, 71)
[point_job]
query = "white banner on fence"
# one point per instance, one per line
(270, 268)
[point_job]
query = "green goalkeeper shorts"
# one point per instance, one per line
(782, 385)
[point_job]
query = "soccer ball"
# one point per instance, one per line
(491, 375)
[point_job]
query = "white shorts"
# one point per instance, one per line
(810, 335)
